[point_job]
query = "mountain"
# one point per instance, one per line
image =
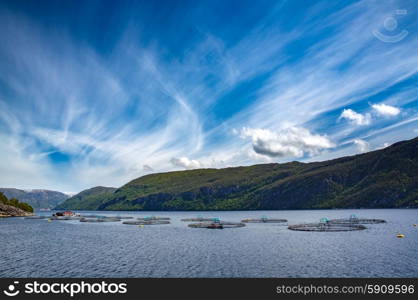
(36, 198)
(379, 179)
(87, 199)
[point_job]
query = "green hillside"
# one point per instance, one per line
(86, 200)
(378, 179)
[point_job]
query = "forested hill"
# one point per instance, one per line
(378, 179)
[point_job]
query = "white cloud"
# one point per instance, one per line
(386, 110)
(362, 145)
(355, 117)
(176, 94)
(290, 142)
(186, 163)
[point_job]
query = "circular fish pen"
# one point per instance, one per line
(264, 219)
(92, 216)
(36, 217)
(63, 218)
(325, 225)
(100, 220)
(216, 225)
(153, 218)
(146, 222)
(198, 219)
(331, 227)
(353, 219)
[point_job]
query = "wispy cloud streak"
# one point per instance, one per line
(77, 116)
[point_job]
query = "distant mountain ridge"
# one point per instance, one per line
(37, 198)
(91, 195)
(383, 178)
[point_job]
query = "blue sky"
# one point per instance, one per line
(101, 92)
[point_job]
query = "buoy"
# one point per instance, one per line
(400, 235)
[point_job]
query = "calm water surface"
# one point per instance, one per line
(37, 248)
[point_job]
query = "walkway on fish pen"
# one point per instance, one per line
(198, 219)
(100, 220)
(353, 219)
(264, 219)
(216, 225)
(153, 218)
(146, 222)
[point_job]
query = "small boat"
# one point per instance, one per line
(400, 235)
(67, 213)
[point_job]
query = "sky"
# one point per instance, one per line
(102, 92)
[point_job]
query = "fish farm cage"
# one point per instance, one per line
(92, 216)
(198, 219)
(146, 222)
(353, 219)
(36, 217)
(63, 218)
(100, 220)
(216, 224)
(325, 225)
(153, 218)
(264, 219)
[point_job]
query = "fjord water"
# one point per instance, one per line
(38, 248)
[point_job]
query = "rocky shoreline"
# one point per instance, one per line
(11, 211)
